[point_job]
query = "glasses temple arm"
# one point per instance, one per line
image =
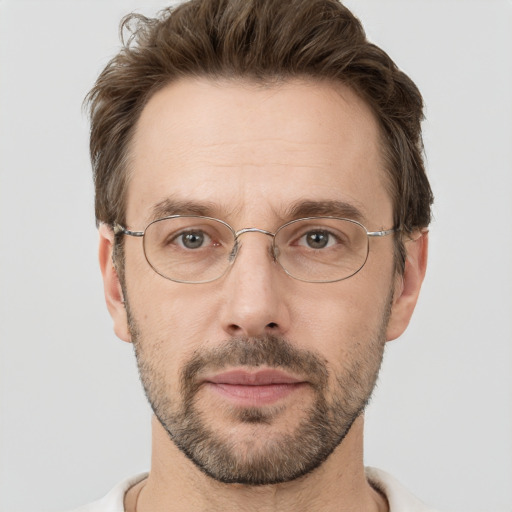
(382, 233)
(120, 229)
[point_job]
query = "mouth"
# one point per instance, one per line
(254, 389)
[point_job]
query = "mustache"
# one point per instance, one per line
(269, 351)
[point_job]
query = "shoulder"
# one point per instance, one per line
(399, 498)
(114, 500)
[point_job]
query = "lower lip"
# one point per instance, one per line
(254, 396)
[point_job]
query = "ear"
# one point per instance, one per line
(408, 285)
(111, 284)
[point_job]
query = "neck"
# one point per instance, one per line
(175, 483)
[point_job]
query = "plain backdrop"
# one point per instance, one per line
(73, 420)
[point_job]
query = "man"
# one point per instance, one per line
(262, 207)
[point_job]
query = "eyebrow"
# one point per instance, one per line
(171, 206)
(327, 208)
(300, 209)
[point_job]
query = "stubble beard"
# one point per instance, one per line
(275, 458)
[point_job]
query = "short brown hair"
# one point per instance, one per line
(267, 41)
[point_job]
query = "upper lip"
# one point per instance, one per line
(255, 378)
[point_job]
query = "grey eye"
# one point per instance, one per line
(192, 239)
(317, 239)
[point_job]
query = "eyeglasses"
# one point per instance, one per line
(197, 249)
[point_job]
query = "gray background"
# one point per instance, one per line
(73, 420)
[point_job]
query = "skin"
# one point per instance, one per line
(250, 152)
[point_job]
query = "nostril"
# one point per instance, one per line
(234, 329)
(272, 325)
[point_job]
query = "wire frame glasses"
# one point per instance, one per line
(197, 249)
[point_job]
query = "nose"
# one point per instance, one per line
(255, 298)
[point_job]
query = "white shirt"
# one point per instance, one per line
(399, 499)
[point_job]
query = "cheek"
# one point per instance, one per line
(172, 317)
(341, 316)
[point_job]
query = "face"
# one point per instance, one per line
(257, 377)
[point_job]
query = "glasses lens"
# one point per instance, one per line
(189, 249)
(322, 249)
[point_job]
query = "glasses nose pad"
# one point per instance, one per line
(274, 251)
(234, 251)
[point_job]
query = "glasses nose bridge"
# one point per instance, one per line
(254, 230)
(241, 232)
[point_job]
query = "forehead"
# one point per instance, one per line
(250, 151)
